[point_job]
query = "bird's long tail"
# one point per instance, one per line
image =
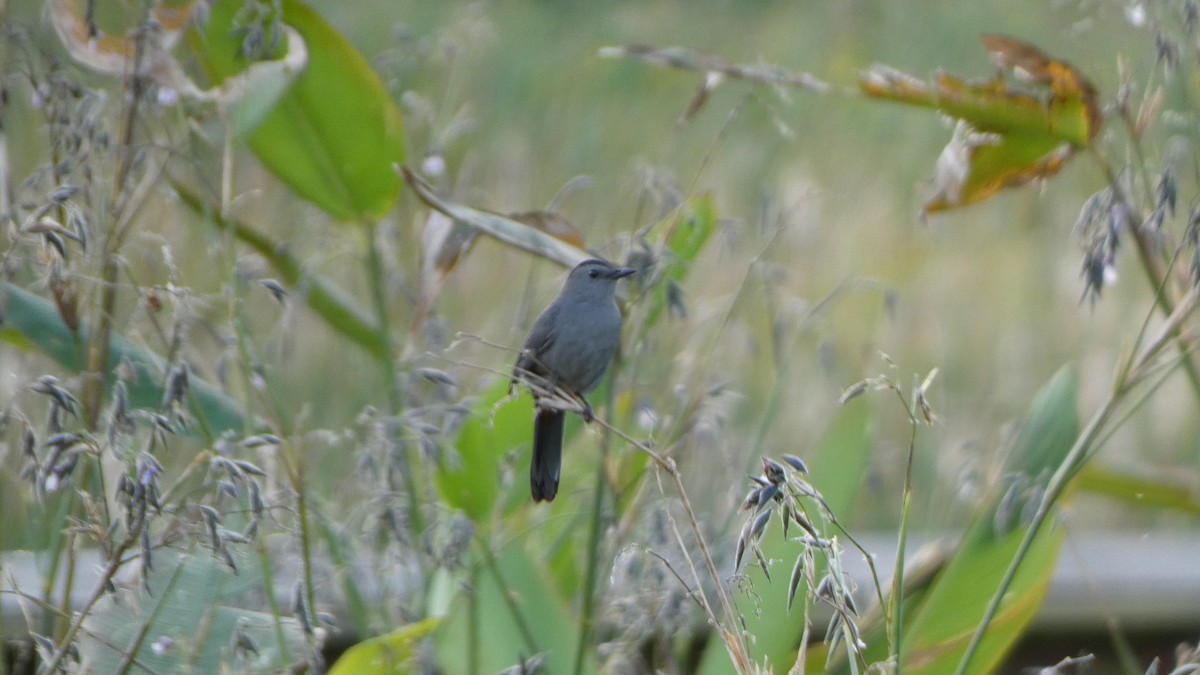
(547, 454)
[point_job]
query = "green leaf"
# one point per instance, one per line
(938, 636)
(838, 466)
(688, 238)
(994, 164)
(1050, 428)
(942, 627)
(505, 229)
(30, 321)
(988, 107)
(471, 481)
(188, 622)
(683, 242)
(390, 653)
(1006, 136)
(334, 136)
(1138, 491)
(517, 614)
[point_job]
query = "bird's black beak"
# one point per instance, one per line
(619, 272)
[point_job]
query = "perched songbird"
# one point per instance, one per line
(569, 347)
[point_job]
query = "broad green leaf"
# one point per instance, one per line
(1050, 428)
(32, 322)
(988, 107)
(471, 480)
(335, 135)
(943, 626)
(688, 237)
(973, 168)
(517, 614)
(1139, 491)
(939, 634)
(841, 460)
(390, 653)
(189, 622)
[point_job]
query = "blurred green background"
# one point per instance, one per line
(821, 259)
(990, 294)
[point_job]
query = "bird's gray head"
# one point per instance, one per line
(594, 278)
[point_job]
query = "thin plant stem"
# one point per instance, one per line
(110, 571)
(377, 280)
(1057, 485)
(1133, 408)
(1129, 374)
(896, 624)
(735, 645)
(473, 633)
(264, 564)
(1156, 274)
(593, 551)
(98, 339)
(593, 563)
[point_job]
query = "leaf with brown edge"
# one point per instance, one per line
(243, 99)
(103, 49)
(1007, 135)
(973, 166)
(444, 242)
(552, 224)
(501, 228)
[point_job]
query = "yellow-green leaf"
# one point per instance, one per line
(1007, 135)
(1153, 492)
(390, 653)
(943, 625)
(939, 635)
(974, 167)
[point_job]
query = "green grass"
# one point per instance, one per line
(817, 260)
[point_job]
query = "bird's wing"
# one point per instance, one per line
(539, 340)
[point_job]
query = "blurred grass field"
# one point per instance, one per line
(516, 99)
(820, 263)
(990, 294)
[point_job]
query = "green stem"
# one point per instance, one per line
(305, 538)
(110, 571)
(377, 280)
(897, 600)
(264, 565)
(473, 634)
(1057, 485)
(1156, 274)
(593, 555)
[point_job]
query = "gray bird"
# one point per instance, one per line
(570, 346)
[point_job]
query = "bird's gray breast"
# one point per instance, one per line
(585, 340)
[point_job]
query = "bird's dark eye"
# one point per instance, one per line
(593, 273)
